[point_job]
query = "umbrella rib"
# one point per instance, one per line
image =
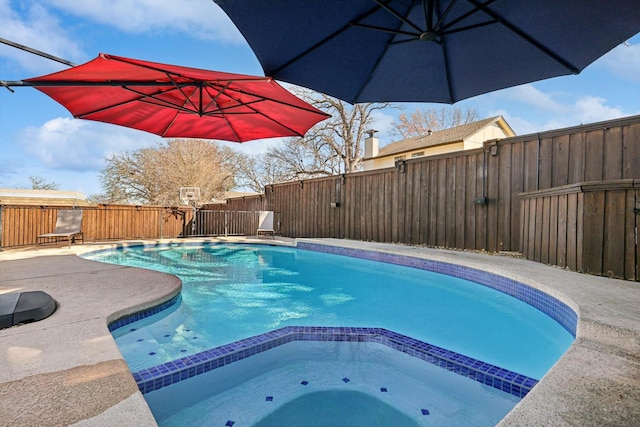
(447, 70)
(379, 59)
(445, 33)
(387, 30)
(255, 111)
(221, 91)
(428, 9)
(187, 98)
(274, 121)
(468, 27)
(428, 13)
(323, 41)
(144, 98)
(157, 101)
(404, 19)
(266, 98)
(526, 37)
(429, 16)
(459, 18)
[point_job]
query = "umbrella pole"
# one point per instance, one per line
(37, 52)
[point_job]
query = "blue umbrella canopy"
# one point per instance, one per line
(428, 50)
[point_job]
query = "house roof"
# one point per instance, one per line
(231, 195)
(440, 137)
(11, 196)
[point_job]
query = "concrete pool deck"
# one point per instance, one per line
(67, 369)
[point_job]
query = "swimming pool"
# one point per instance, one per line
(235, 291)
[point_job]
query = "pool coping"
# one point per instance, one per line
(594, 383)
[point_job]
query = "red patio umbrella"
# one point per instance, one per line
(178, 102)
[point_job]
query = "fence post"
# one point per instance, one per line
(226, 224)
(1, 224)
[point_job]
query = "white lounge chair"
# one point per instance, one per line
(265, 223)
(68, 226)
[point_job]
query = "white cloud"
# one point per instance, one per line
(201, 19)
(519, 125)
(590, 109)
(38, 25)
(36, 28)
(255, 147)
(530, 95)
(623, 61)
(586, 109)
(79, 145)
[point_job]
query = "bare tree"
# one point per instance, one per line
(333, 146)
(154, 175)
(342, 135)
(306, 157)
(256, 172)
(420, 122)
(40, 183)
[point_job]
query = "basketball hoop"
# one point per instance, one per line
(190, 195)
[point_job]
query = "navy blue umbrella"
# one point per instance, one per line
(428, 50)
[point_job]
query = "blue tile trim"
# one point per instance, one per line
(178, 370)
(124, 321)
(549, 305)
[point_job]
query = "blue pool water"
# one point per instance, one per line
(361, 358)
(235, 291)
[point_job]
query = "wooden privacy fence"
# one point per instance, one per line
(465, 200)
(588, 227)
(20, 225)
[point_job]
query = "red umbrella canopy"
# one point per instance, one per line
(179, 102)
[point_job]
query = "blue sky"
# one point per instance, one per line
(38, 137)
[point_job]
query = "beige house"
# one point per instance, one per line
(463, 137)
